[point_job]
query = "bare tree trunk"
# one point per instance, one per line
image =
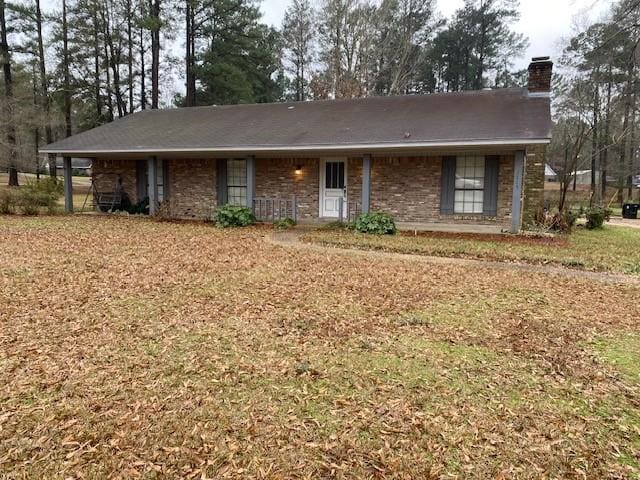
(5, 58)
(154, 7)
(107, 63)
(96, 64)
(65, 60)
(44, 86)
(130, 54)
(143, 73)
(114, 61)
(594, 138)
(604, 151)
(632, 147)
(36, 130)
(189, 45)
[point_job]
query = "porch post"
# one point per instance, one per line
(516, 201)
(366, 183)
(68, 185)
(251, 181)
(152, 181)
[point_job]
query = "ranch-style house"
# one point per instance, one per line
(460, 159)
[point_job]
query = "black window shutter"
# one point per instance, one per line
(490, 207)
(221, 175)
(165, 178)
(448, 188)
(141, 179)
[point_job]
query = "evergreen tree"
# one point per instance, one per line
(298, 36)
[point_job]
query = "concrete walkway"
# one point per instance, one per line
(624, 222)
(291, 239)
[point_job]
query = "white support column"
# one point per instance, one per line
(366, 183)
(152, 181)
(68, 185)
(516, 201)
(251, 181)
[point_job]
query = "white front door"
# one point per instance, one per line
(333, 187)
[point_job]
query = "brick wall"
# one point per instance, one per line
(406, 187)
(106, 173)
(409, 189)
(533, 190)
(192, 188)
(277, 178)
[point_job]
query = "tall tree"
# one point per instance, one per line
(155, 25)
(5, 58)
(65, 69)
(477, 41)
(298, 37)
(44, 85)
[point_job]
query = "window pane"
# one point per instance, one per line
(334, 175)
(237, 182)
(469, 184)
(160, 179)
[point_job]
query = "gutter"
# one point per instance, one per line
(369, 147)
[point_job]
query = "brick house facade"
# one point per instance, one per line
(463, 158)
(407, 187)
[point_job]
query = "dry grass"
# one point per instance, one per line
(611, 249)
(130, 348)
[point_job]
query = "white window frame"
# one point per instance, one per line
(237, 181)
(468, 196)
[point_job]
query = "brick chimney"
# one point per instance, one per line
(540, 70)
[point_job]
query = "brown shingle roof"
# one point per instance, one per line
(505, 116)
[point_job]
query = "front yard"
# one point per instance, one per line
(611, 249)
(132, 348)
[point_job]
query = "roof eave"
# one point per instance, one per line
(343, 148)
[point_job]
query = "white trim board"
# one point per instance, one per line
(310, 148)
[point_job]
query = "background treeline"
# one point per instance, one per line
(596, 106)
(87, 62)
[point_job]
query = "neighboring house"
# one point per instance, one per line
(79, 165)
(456, 158)
(583, 177)
(550, 174)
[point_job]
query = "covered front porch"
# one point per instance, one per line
(449, 191)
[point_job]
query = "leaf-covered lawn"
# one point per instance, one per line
(613, 249)
(135, 348)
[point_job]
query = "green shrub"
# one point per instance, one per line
(233, 216)
(284, 224)
(40, 194)
(596, 217)
(8, 201)
(378, 223)
(138, 208)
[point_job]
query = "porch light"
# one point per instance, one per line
(298, 169)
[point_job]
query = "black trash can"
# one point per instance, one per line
(630, 210)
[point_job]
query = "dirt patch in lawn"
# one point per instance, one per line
(132, 348)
